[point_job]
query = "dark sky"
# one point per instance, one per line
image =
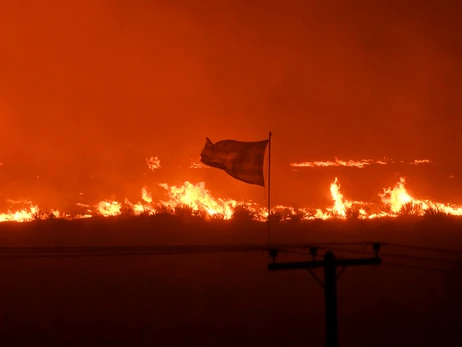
(87, 84)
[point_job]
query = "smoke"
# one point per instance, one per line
(92, 88)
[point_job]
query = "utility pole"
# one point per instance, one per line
(330, 264)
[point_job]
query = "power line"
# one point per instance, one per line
(410, 257)
(330, 264)
(403, 256)
(131, 251)
(421, 248)
(166, 248)
(411, 267)
(112, 251)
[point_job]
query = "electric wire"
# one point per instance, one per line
(421, 248)
(403, 256)
(27, 252)
(422, 268)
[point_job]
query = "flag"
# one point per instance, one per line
(241, 160)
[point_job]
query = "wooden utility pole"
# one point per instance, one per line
(330, 264)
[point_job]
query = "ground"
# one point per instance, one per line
(225, 299)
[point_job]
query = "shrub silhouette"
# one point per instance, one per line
(385, 208)
(145, 213)
(163, 210)
(276, 216)
(280, 214)
(410, 209)
(51, 215)
(432, 212)
(243, 214)
(127, 211)
(201, 214)
(183, 211)
(335, 215)
(40, 215)
(352, 213)
(216, 216)
(297, 217)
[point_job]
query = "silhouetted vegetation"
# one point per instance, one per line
(276, 216)
(410, 209)
(243, 214)
(127, 211)
(352, 213)
(163, 209)
(199, 214)
(42, 215)
(385, 208)
(433, 212)
(215, 216)
(296, 217)
(183, 211)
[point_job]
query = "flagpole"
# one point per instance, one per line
(269, 185)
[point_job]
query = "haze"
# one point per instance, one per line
(91, 88)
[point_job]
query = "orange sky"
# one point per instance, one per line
(95, 86)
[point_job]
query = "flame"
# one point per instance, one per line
(153, 163)
(340, 205)
(420, 161)
(196, 199)
(399, 200)
(28, 213)
(145, 195)
(198, 165)
(337, 162)
(108, 208)
(22, 215)
(139, 208)
(396, 197)
(353, 163)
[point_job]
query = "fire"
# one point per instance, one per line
(22, 215)
(353, 163)
(340, 206)
(153, 163)
(396, 197)
(28, 213)
(399, 200)
(198, 165)
(336, 162)
(140, 207)
(108, 208)
(196, 199)
(145, 195)
(420, 161)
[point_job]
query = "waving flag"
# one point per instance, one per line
(241, 160)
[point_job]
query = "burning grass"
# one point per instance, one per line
(195, 200)
(242, 213)
(244, 218)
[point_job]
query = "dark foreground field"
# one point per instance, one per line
(225, 299)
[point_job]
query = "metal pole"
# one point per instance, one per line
(269, 186)
(330, 265)
(330, 297)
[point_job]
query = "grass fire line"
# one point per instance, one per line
(197, 200)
